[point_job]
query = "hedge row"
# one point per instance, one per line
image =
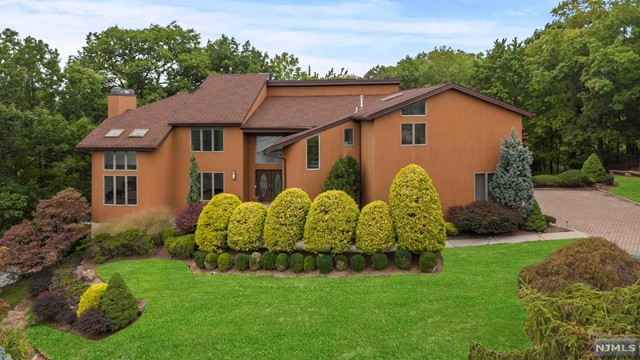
(570, 179)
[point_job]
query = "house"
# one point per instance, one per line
(254, 137)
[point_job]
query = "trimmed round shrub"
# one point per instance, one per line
(211, 233)
(268, 260)
(379, 261)
(91, 298)
(341, 262)
(181, 246)
(296, 260)
(451, 229)
(403, 260)
(593, 168)
(93, 322)
(541, 181)
(282, 262)
(331, 223)
(40, 282)
(427, 261)
(198, 258)
(225, 262)
(284, 225)
(344, 175)
(246, 225)
(118, 303)
(358, 263)
(416, 211)
(49, 306)
(535, 221)
(309, 264)
(211, 260)
(574, 178)
(485, 217)
(374, 232)
(254, 261)
(324, 262)
(242, 262)
(187, 219)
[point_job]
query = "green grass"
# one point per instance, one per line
(15, 292)
(191, 316)
(629, 188)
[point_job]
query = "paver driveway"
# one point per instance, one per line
(595, 213)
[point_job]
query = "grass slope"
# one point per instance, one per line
(629, 188)
(230, 316)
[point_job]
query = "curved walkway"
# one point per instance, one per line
(594, 212)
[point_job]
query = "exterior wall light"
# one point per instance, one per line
(233, 175)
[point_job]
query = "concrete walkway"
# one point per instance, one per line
(514, 239)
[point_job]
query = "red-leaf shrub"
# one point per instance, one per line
(187, 219)
(50, 306)
(57, 224)
(40, 282)
(485, 217)
(93, 322)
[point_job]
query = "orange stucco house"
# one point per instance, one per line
(254, 137)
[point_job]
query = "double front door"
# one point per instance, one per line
(268, 184)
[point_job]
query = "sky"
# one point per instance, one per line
(354, 34)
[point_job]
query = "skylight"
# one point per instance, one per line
(114, 133)
(392, 96)
(138, 133)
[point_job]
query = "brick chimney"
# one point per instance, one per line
(120, 100)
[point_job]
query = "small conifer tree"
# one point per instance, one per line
(194, 182)
(344, 175)
(118, 303)
(593, 168)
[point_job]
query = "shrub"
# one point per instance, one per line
(246, 225)
(212, 260)
(451, 229)
(403, 260)
(187, 218)
(331, 223)
(574, 178)
(254, 261)
(50, 306)
(607, 179)
(550, 219)
(379, 261)
(93, 322)
(341, 262)
(199, 257)
(374, 232)
(242, 262)
(16, 343)
(67, 316)
(593, 168)
(225, 262)
(284, 225)
(40, 282)
(324, 263)
(282, 262)
(66, 281)
(595, 262)
(541, 181)
(535, 221)
(485, 217)
(128, 243)
(358, 263)
(193, 196)
(296, 261)
(309, 264)
(181, 246)
(91, 298)
(416, 211)
(344, 175)
(268, 260)
(427, 261)
(118, 303)
(211, 233)
(152, 223)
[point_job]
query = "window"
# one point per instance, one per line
(120, 190)
(138, 133)
(120, 160)
(210, 185)
(413, 134)
(417, 109)
(482, 181)
(262, 142)
(348, 137)
(313, 153)
(207, 139)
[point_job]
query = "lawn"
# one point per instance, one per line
(191, 316)
(629, 188)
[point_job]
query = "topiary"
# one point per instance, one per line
(540, 181)
(254, 261)
(374, 232)
(91, 298)
(198, 258)
(118, 303)
(211, 260)
(284, 225)
(403, 260)
(40, 282)
(451, 229)
(225, 262)
(331, 222)
(427, 261)
(211, 233)
(187, 219)
(181, 246)
(379, 261)
(93, 322)
(593, 168)
(246, 225)
(358, 263)
(309, 264)
(485, 217)
(242, 262)
(296, 260)
(341, 262)
(535, 221)
(268, 260)
(282, 262)
(574, 178)
(324, 263)
(416, 211)
(344, 175)
(49, 306)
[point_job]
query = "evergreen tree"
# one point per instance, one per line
(593, 168)
(118, 303)
(345, 176)
(194, 184)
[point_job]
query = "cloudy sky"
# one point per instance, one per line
(355, 34)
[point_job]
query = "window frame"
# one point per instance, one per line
(126, 190)
(213, 139)
(413, 133)
(486, 185)
(114, 157)
(344, 135)
(307, 152)
(213, 183)
(425, 109)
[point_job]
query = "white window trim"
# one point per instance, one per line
(213, 183)
(413, 132)
(486, 185)
(353, 136)
(126, 193)
(126, 160)
(213, 138)
(425, 110)
(306, 150)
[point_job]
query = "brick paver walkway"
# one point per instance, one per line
(594, 212)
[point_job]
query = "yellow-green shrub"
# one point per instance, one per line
(246, 225)
(91, 298)
(211, 233)
(451, 229)
(285, 221)
(374, 232)
(416, 211)
(331, 222)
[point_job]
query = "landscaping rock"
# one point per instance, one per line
(255, 265)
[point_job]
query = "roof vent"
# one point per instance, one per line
(114, 133)
(392, 96)
(138, 133)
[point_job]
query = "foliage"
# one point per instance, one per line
(536, 220)
(128, 243)
(296, 260)
(66, 281)
(225, 262)
(40, 282)
(254, 261)
(246, 225)
(193, 196)
(4, 355)
(593, 168)
(12, 209)
(374, 232)
(451, 229)
(427, 261)
(331, 222)
(629, 188)
(357, 262)
(485, 217)
(309, 264)
(379, 261)
(341, 262)
(93, 322)
(153, 223)
(14, 293)
(181, 246)
(574, 178)
(57, 225)
(324, 262)
(416, 211)
(282, 262)
(403, 260)
(550, 219)
(198, 258)
(546, 181)
(187, 218)
(211, 233)
(4, 308)
(211, 260)
(16, 344)
(242, 262)
(284, 225)
(344, 175)
(607, 179)
(118, 303)
(91, 298)
(268, 260)
(50, 306)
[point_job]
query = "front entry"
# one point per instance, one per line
(268, 184)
